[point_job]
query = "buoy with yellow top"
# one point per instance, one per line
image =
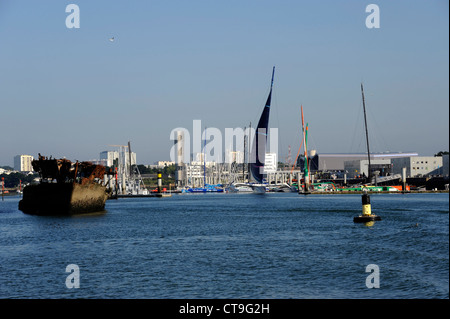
(367, 215)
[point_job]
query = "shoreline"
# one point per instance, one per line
(381, 192)
(310, 193)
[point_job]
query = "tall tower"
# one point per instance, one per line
(289, 158)
(179, 156)
(22, 163)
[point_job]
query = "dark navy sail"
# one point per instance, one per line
(260, 140)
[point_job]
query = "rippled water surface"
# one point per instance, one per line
(277, 245)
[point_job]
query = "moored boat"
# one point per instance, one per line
(257, 160)
(207, 189)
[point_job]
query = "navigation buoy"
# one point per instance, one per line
(367, 215)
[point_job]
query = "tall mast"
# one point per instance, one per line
(271, 82)
(367, 134)
(304, 143)
(249, 157)
(243, 163)
(260, 139)
(305, 136)
(129, 158)
(204, 161)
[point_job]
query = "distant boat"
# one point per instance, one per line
(207, 189)
(130, 182)
(239, 188)
(367, 184)
(280, 188)
(370, 188)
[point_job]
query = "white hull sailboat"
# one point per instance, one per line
(257, 156)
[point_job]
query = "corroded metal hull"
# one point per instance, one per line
(63, 198)
(66, 188)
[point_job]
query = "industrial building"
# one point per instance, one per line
(382, 164)
(358, 168)
(336, 162)
(418, 166)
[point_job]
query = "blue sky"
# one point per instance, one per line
(72, 92)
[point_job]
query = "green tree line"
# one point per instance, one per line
(168, 175)
(167, 170)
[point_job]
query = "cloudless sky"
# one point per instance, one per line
(72, 92)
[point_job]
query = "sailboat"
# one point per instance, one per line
(207, 188)
(258, 151)
(367, 184)
(259, 146)
(129, 181)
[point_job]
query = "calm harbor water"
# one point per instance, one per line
(277, 245)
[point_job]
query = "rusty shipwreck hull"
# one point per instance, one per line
(63, 199)
(66, 188)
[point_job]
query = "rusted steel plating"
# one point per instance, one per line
(64, 171)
